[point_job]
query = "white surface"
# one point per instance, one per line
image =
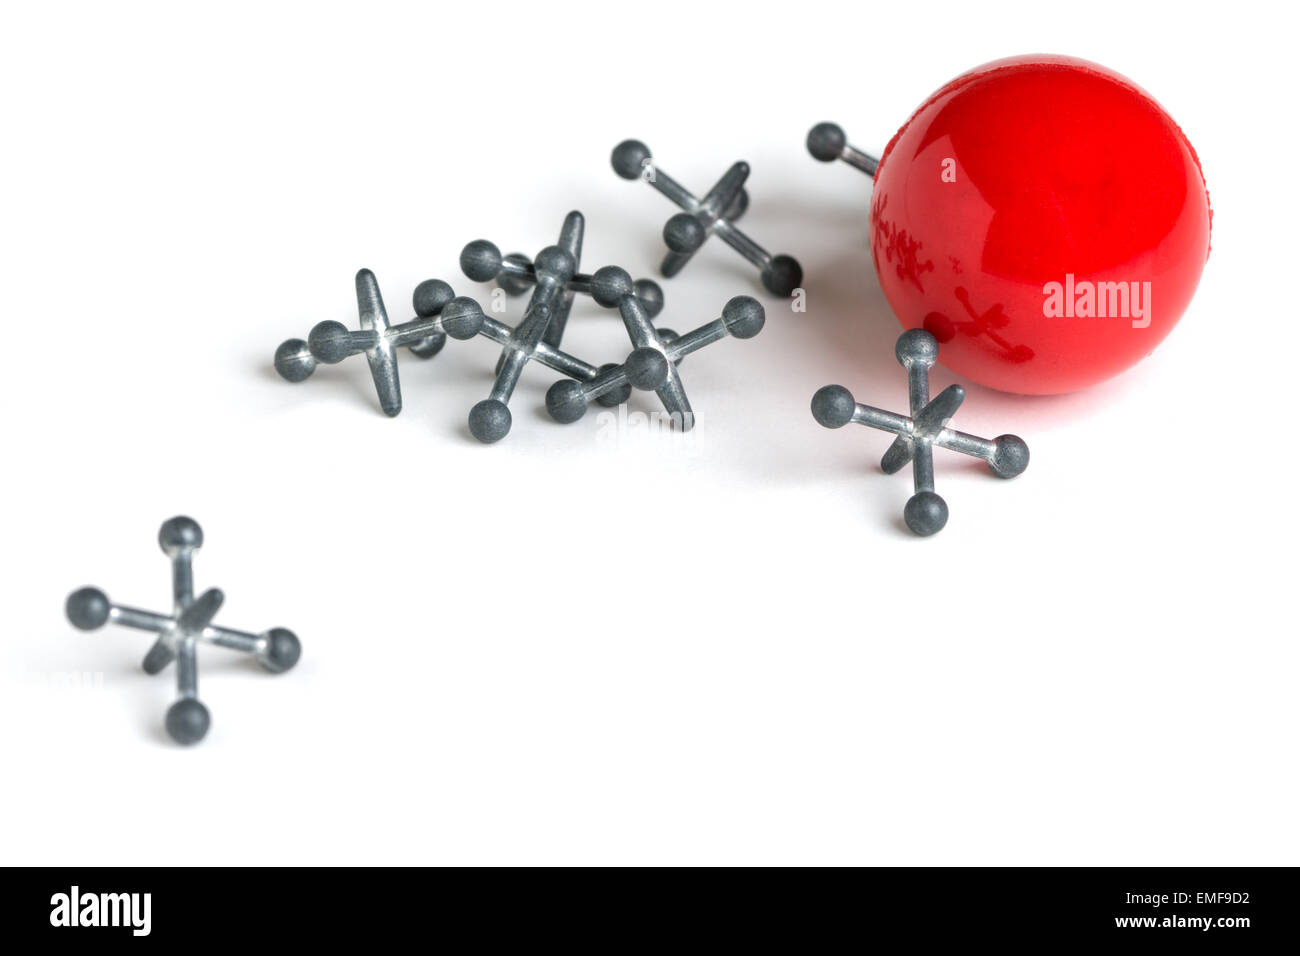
(717, 647)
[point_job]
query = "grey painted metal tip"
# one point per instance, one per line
(650, 295)
(833, 406)
(826, 141)
(925, 513)
(629, 158)
(571, 234)
(507, 281)
(88, 609)
(490, 420)
(556, 264)
(159, 656)
(330, 342)
(647, 368)
(480, 260)
(744, 317)
(684, 233)
(566, 401)
(739, 205)
(430, 297)
(615, 396)
(370, 303)
(181, 533)
(188, 721)
(896, 456)
(463, 318)
(427, 347)
(1010, 456)
(293, 360)
(282, 650)
(782, 275)
(916, 346)
(610, 285)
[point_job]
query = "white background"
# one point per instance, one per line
(712, 648)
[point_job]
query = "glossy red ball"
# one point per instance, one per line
(1045, 219)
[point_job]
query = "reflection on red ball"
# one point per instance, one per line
(1045, 219)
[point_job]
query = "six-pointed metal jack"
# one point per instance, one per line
(552, 275)
(917, 350)
(652, 364)
(180, 632)
(827, 143)
(715, 214)
(516, 274)
(439, 313)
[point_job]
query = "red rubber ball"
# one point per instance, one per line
(1045, 219)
